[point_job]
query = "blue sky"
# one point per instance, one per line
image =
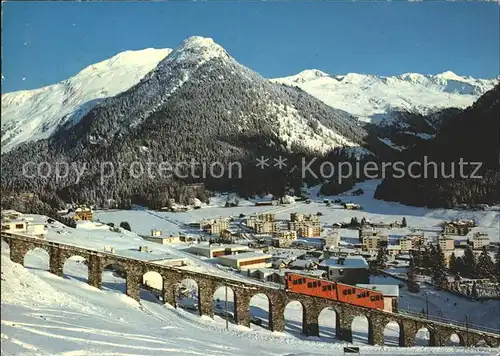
(45, 42)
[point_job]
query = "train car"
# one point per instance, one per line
(359, 296)
(310, 286)
(345, 293)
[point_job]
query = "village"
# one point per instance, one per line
(264, 248)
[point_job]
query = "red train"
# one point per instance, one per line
(344, 293)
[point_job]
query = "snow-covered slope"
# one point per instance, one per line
(373, 98)
(36, 114)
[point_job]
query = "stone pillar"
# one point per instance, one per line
(344, 331)
(241, 307)
(95, 269)
(134, 285)
(310, 317)
(18, 250)
(410, 329)
(376, 334)
(276, 315)
(206, 297)
(376, 326)
(55, 262)
(168, 292)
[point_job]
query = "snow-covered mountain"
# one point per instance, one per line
(374, 98)
(31, 115)
(198, 103)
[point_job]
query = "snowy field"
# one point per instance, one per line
(43, 314)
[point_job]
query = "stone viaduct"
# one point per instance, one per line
(243, 291)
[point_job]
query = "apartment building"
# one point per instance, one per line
(479, 240)
(305, 225)
(284, 238)
(446, 243)
(215, 226)
(266, 227)
(268, 217)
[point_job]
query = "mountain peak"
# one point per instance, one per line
(449, 75)
(198, 49)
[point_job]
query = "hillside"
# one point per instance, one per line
(472, 136)
(32, 115)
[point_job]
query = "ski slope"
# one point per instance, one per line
(43, 314)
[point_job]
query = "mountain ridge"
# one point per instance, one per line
(39, 113)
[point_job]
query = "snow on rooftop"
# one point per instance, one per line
(348, 262)
(389, 290)
(246, 255)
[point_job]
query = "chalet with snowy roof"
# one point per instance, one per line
(83, 213)
(349, 270)
(459, 227)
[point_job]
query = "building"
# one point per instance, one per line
(14, 226)
(349, 270)
(390, 293)
(284, 238)
(306, 225)
(214, 226)
(351, 206)
(216, 250)
(411, 242)
(446, 243)
(144, 254)
(374, 241)
(266, 217)
(159, 238)
(332, 240)
(36, 227)
(339, 252)
(479, 240)
(17, 223)
(460, 228)
(393, 250)
(299, 264)
(305, 228)
(265, 227)
(83, 213)
(246, 260)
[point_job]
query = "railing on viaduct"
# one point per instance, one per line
(243, 291)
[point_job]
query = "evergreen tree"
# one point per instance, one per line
(469, 260)
(381, 260)
(439, 267)
(459, 267)
(474, 292)
(413, 287)
(354, 222)
(485, 267)
(125, 225)
(453, 263)
(403, 222)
